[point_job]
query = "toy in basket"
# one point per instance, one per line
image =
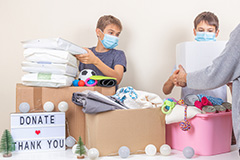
(168, 105)
(185, 124)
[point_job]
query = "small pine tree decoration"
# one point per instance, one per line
(7, 144)
(80, 150)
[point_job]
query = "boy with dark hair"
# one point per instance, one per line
(104, 59)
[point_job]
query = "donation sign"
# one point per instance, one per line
(38, 131)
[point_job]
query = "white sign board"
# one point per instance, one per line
(194, 56)
(38, 131)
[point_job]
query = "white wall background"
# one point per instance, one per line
(151, 30)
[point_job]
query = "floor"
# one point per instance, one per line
(67, 155)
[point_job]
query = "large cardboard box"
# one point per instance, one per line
(37, 96)
(194, 56)
(134, 128)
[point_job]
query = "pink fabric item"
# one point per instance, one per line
(204, 102)
(198, 104)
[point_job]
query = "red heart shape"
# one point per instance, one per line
(37, 132)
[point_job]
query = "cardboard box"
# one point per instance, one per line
(194, 56)
(134, 128)
(37, 96)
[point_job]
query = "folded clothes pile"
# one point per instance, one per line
(50, 62)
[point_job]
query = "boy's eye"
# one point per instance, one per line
(210, 30)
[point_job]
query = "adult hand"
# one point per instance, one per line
(181, 77)
(88, 58)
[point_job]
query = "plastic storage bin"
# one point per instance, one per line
(210, 134)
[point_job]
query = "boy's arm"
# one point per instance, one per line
(90, 58)
(170, 83)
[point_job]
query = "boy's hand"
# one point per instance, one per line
(173, 77)
(181, 77)
(88, 58)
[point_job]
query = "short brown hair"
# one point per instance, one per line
(208, 17)
(106, 20)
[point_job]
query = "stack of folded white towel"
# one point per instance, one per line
(50, 62)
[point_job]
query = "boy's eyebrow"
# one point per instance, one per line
(114, 30)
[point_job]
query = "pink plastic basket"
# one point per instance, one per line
(210, 134)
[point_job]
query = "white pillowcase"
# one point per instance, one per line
(54, 43)
(49, 55)
(53, 68)
(46, 80)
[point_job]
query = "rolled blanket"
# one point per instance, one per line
(190, 99)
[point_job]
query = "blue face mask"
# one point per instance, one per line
(205, 36)
(109, 41)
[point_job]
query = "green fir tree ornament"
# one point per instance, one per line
(80, 150)
(7, 144)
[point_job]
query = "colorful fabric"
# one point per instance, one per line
(213, 100)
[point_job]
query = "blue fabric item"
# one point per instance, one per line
(128, 90)
(213, 100)
(110, 41)
(205, 36)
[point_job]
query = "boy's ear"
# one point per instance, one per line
(217, 33)
(194, 32)
(98, 32)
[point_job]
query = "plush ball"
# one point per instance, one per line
(165, 150)
(93, 153)
(74, 148)
(24, 107)
(85, 74)
(81, 83)
(70, 141)
(48, 106)
(75, 82)
(63, 106)
(124, 152)
(150, 150)
(188, 152)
